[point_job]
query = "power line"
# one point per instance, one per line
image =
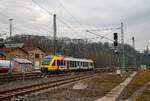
(52, 15)
(70, 14)
(73, 18)
(4, 15)
(100, 35)
(103, 29)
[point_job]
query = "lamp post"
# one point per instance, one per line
(10, 55)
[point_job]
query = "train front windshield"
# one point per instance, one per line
(46, 61)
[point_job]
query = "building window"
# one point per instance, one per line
(41, 56)
(21, 56)
(36, 55)
(31, 55)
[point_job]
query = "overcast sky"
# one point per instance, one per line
(80, 15)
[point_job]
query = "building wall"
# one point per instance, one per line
(17, 67)
(17, 53)
(36, 55)
(29, 67)
(2, 57)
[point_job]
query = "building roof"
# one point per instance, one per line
(29, 48)
(24, 61)
(3, 54)
(5, 50)
(32, 48)
(15, 45)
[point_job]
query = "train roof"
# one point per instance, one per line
(71, 58)
(77, 59)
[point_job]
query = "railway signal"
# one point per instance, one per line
(115, 39)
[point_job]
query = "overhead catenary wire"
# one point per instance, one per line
(73, 17)
(4, 15)
(103, 29)
(57, 17)
(99, 35)
(84, 27)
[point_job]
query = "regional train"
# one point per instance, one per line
(65, 64)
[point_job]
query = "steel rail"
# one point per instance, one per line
(11, 93)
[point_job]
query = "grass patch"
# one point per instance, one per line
(100, 86)
(145, 96)
(141, 78)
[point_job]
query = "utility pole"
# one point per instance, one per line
(133, 43)
(10, 55)
(122, 44)
(54, 40)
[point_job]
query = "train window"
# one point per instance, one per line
(62, 62)
(53, 63)
(73, 63)
(70, 63)
(58, 62)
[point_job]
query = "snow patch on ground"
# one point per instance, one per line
(80, 85)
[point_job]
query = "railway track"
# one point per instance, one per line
(8, 78)
(15, 77)
(26, 90)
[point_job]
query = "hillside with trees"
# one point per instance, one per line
(102, 53)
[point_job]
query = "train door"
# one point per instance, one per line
(63, 66)
(78, 66)
(67, 65)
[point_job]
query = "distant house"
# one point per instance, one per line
(2, 43)
(15, 53)
(15, 45)
(36, 55)
(22, 65)
(2, 56)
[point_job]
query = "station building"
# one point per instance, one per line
(36, 55)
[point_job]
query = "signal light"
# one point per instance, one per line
(115, 43)
(115, 36)
(115, 39)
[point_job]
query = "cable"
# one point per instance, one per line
(105, 29)
(4, 15)
(100, 35)
(73, 18)
(53, 14)
(70, 14)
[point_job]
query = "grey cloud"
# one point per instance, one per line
(28, 18)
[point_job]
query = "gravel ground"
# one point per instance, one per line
(96, 87)
(21, 83)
